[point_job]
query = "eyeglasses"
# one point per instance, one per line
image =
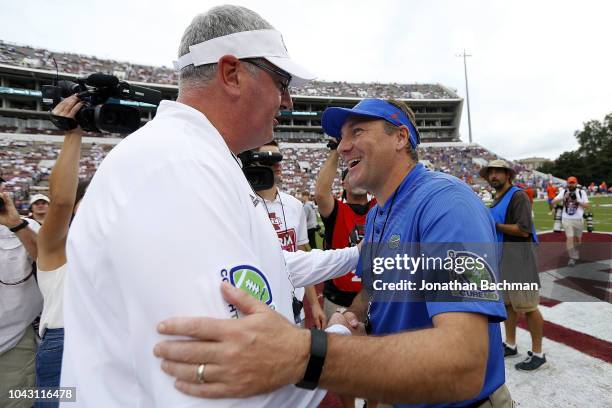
(283, 84)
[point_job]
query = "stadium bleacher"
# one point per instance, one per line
(24, 163)
(25, 56)
(304, 154)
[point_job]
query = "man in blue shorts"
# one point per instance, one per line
(430, 349)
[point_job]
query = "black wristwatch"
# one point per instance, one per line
(318, 351)
(24, 223)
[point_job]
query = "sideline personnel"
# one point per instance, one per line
(511, 211)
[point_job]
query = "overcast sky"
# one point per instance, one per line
(538, 70)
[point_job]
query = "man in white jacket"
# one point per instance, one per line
(133, 265)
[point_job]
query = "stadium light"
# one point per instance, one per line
(467, 92)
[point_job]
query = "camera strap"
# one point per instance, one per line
(64, 123)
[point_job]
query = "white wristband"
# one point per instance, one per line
(338, 329)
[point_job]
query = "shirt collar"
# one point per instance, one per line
(408, 181)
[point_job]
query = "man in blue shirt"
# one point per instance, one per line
(434, 348)
(416, 206)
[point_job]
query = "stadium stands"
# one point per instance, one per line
(24, 162)
(26, 165)
(25, 56)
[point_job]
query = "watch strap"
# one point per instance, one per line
(24, 223)
(318, 351)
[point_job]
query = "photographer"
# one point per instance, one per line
(574, 201)
(20, 303)
(66, 193)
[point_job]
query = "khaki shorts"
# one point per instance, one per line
(17, 367)
(573, 228)
(500, 398)
(522, 301)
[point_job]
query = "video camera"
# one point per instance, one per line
(97, 113)
(256, 168)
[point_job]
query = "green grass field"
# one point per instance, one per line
(600, 206)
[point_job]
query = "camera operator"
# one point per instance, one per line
(289, 221)
(574, 201)
(66, 193)
(20, 303)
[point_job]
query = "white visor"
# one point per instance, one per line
(267, 44)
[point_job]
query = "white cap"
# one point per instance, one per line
(267, 44)
(37, 197)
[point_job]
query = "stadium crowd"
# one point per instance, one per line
(39, 58)
(25, 167)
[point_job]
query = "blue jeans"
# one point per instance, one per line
(49, 362)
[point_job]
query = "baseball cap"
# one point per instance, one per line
(37, 197)
(267, 44)
(333, 119)
(572, 179)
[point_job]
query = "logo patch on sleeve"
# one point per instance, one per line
(252, 281)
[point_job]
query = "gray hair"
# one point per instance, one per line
(216, 22)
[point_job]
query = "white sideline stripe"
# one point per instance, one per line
(573, 379)
(592, 318)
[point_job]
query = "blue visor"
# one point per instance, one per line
(333, 119)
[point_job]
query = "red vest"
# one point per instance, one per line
(349, 230)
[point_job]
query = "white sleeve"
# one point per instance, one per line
(33, 225)
(560, 195)
(302, 232)
(310, 268)
(583, 197)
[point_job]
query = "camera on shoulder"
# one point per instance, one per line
(256, 168)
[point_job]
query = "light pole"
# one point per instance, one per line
(467, 91)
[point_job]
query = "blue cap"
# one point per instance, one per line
(333, 118)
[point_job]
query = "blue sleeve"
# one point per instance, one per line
(455, 218)
(494, 310)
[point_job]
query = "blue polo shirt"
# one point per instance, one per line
(429, 208)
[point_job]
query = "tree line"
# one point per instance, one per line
(592, 161)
